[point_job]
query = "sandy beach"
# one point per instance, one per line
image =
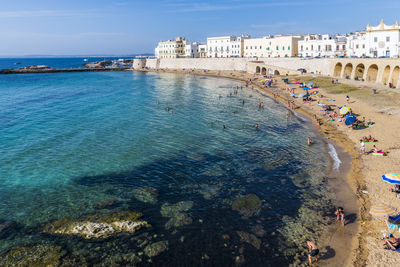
(361, 239)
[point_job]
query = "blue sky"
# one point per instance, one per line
(89, 27)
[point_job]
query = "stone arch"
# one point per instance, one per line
(348, 69)
(372, 73)
(258, 69)
(360, 69)
(395, 76)
(337, 70)
(385, 75)
(276, 72)
(264, 71)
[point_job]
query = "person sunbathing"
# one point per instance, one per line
(395, 189)
(390, 242)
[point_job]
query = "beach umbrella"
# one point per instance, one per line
(293, 79)
(381, 210)
(306, 88)
(350, 119)
(344, 110)
(314, 92)
(392, 178)
(301, 95)
(288, 85)
(301, 83)
(310, 83)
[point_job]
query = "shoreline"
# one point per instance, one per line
(357, 254)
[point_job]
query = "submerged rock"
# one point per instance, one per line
(178, 220)
(156, 248)
(171, 210)
(209, 191)
(247, 205)
(258, 230)
(98, 225)
(6, 227)
(146, 195)
(105, 203)
(250, 239)
(35, 255)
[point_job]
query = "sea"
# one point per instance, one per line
(74, 144)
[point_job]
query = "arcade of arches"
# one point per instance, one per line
(369, 71)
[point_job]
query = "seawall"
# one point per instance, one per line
(321, 66)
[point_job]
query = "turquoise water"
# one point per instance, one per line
(72, 140)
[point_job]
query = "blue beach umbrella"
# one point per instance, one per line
(392, 178)
(307, 88)
(350, 119)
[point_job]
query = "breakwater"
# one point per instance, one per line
(25, 71)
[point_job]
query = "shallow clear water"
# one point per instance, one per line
(72, 140)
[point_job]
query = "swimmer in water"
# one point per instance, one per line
(243, 102)
(256, 126)
(223, 126)
(309, 141)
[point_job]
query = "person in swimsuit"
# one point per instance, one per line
(340, 215)
(390, 242)
(309, 141)
(314, 251)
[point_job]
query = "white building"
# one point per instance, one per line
(325, 45)
(277, 46)
(171, 48)
(237, 46)
(220, 46)
(356, 45)
(383, 40)
(192, 50)
(202, 50)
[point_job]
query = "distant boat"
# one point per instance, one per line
(85, 59)
(17, 63)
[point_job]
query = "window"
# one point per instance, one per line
(363, 45)
(260, 47)
(356, 46)
(283, 48)
(301, 48)
(319, 48)
(375, 39)
(387, 38)
(277, 48)
(312, 47)
(288, 48)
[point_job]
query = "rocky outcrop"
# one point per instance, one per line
(98, 225)
(156, 248)
(146, 195)
(247, 205)
(35, 255)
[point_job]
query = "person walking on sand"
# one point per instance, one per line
(314, 251)
(362, 147)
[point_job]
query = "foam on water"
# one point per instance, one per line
(335, 157)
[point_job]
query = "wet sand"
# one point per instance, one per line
(339, 246)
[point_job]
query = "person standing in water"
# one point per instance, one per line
(256, 126)
(314, 251)
(309, 141)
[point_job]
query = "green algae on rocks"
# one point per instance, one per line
(97, 225)
(247, 205)
(33, 256)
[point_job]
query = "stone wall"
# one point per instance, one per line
(323, 66)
